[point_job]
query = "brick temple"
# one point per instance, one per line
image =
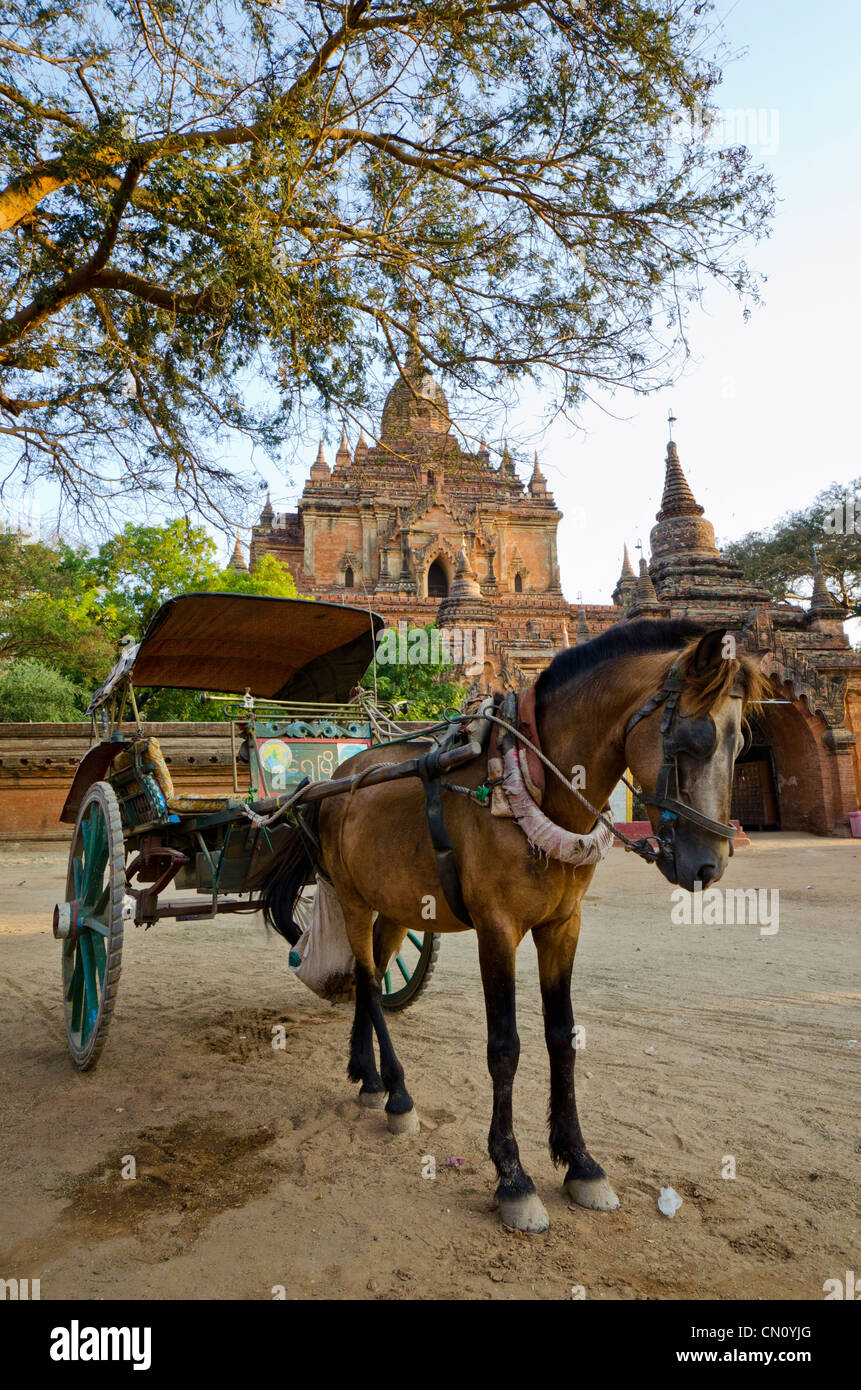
(429, 533)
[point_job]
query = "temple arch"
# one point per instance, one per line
(437, 579)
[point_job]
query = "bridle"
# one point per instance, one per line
(693, 737)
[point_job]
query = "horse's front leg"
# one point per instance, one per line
(585, 1180)
(519, 1205)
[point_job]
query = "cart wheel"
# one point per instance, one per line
(90, 924)
(411, 969)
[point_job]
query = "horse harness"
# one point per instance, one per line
(694, 737)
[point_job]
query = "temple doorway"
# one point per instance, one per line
(754, 788)
(437, 581)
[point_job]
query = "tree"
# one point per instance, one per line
(218, 213)
(781, 559)
(142, 566)
(269, 576)
(425, 689)
(69, 609)
(31, 691)
(48, 609)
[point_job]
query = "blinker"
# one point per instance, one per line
(696, 738)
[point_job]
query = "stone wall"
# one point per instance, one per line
(38, 761)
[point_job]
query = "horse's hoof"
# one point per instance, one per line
(407, 1123)
(594, 1193)
(524, 1213)
(373, 1100)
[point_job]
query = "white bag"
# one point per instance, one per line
(327, 962)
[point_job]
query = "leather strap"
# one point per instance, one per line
(449, 877)
(526, 725)
(678, 808)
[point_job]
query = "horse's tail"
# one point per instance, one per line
(286, 874)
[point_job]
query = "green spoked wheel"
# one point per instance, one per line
(90, 925)
(411, 969)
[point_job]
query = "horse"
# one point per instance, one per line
(602, 707)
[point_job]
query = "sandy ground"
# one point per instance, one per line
(256, 1167)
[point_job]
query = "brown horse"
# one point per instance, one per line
(375, 847)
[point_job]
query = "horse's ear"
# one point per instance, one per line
(709, 652)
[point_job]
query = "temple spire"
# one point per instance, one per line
(626, 584)
(237, 559)
(320, 472)
(678, 500)
(538, 482)
(645, 591)
(822, 601)
(343, 457)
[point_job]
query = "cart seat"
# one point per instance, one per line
(145, 787)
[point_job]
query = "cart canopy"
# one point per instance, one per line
(276, 648)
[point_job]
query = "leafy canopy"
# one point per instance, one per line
(218, 214)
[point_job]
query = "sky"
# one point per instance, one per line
(765, 410)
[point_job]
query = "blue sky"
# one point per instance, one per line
(766, 411)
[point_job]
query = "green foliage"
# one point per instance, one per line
(780, 559)
(31, 691)
(70, 609)
(269, 576)
(219, 213)
(49, 610)
(425, 690)
(142, 566)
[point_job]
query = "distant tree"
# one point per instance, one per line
(32, 691)
(780, 559)
(214, 213)
(142, 566)
(69, 609)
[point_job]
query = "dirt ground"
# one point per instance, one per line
(256, 1167)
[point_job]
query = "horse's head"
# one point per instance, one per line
(681, 745)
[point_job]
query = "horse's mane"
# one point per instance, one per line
(633, 638)
(644, 635)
